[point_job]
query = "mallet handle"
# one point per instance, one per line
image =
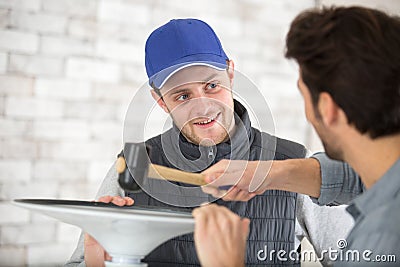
(162, 172)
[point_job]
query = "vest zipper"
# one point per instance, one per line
(210, 153)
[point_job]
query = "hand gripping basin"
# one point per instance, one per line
(128, 234)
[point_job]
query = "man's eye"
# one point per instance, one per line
(212, 85)
(182, 97)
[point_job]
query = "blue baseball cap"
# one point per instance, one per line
(181, 43)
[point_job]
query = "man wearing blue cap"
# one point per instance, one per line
(191, 79)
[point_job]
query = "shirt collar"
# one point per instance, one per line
(382, 192)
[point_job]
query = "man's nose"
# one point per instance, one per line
(202, 105)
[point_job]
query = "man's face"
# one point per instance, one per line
(199, 100)
(329, 141)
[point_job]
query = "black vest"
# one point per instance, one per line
(272, 214)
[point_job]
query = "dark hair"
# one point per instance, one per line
(353, 54)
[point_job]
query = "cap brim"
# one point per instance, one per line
(159, 79)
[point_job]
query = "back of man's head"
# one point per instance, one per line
(353, 54)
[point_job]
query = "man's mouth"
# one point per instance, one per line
(207, 121)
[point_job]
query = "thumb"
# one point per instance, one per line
(245, 226)
(89, 240)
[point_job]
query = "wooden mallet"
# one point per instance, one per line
(135, 156)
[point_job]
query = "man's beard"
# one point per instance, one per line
(329, 142)
(331, 152)
(195, 139)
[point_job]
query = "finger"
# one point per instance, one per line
(105, 199)
(197, 212)
(200, 215)
(129, 201)
(205, 210)
(218, 167)
(220, 194)
(209, 189)
(215, 192)
(251, 195)
(212, 176)
(232, 194)
(119, 201)
(107, 256)
(244, 195)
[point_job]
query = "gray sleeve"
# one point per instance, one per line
(77, 259)
(380, 248)
(109, 187)
(323, 226)
(340, 184)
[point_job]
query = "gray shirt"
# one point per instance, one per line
(375, 237)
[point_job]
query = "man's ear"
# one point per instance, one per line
(159, 100)
(231, 71)
(329, 110)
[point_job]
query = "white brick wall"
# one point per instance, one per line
(16, 85)
(35, 65)
(68, 70)
(10, 128)
(38, 22)
(125, 12)
(28, 234)
(31, 5)
(12, 256)
(63, 89)
(39, 255)
(2, 106)
(18, 148)
(92, 70)
(119, 51)
(24, 107)
(4, 17)
(64, 129)
(3, 63)
(82, 28)
(12, 215)
(31, 189)
(18, 41)
(62, 46)
(71, 8)
(15, 170)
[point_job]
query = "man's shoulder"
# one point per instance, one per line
(290, 149)
(379, 231)
(285, 149)
(157, 153)
(385, 217)
(154, 141)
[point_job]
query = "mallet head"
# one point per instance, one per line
(136, 159)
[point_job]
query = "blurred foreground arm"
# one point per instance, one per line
(220, 236)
